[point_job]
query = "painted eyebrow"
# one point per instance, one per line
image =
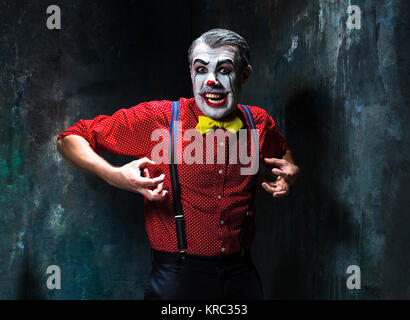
(229, 61)
(201, 61)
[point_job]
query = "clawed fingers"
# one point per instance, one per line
(275, 189)
(144, 162)
(159, 195)
(146, 173)
(159, 188)
(274, 161)
(280, 194)
(279, 172)
(153, 195)
(150, 182)
(270, 187)
(156, 194)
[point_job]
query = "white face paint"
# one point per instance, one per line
(215, 80)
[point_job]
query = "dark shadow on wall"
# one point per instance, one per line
(301, 233)
(29, 283)
(397, 261)
(27, 290)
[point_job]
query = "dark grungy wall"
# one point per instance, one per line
(339, 96)
(108, 55)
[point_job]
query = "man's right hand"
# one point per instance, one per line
(128, 177)
(78, 151)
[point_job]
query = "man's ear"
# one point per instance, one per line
(246, 73)
(191, 69)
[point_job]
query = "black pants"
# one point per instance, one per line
(196, 277)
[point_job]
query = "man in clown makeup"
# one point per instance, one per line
(199, 216)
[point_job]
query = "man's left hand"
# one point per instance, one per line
(286, 173)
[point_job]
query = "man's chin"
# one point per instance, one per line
(216, 113)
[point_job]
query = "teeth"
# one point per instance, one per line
(215, 101)
(214, 96)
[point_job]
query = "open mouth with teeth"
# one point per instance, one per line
(214, 99)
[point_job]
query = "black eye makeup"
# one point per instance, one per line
(200, 69)
(224, 70)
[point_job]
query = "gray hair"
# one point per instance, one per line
(216, 38)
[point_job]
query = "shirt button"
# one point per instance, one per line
(219, 197)
(222, 222)
(221, 143)
(223, 249)
(220, 171)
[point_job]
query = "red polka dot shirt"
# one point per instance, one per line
(215, 197)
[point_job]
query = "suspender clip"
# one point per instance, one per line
(182, 253)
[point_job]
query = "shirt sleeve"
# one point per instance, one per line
(273, 144)
(126, 132)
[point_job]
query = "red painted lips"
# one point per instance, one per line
(214, 99)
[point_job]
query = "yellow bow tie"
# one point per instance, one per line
(205, 124)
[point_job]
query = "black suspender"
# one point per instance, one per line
(247, 220)
(176, 189)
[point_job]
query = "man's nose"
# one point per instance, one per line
(211, 81)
